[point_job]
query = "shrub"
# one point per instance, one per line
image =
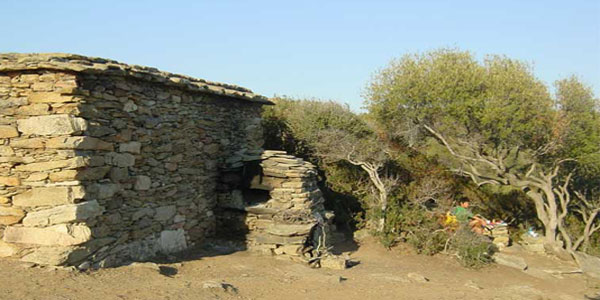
(418, 227)
(473, 250)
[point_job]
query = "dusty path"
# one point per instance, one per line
(381, 274)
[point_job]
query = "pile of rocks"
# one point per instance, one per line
(291, 221)
(499, 235)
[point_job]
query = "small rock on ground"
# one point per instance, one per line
(220, 286)
(418, 277)
(473, 285)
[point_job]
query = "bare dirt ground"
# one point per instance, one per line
(380, 274)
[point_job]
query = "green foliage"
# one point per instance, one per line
(581, 129)
(296, 127)
(499, 101)
(417, 226)
(473, 250)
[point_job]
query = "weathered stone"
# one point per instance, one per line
(119, 174)
(10, 215)
(87, 249)
(37, 177)
(130, 106)
(53, 256)
(590, 265)
(103, 191)
(165, 213)
(79, 142)
(263, 238)
(10, 181)
(4, 200)
(511, 261)
(235, 201)
(52, 125)
(171, 166)
(333, 262)
(33, 110)
(50, 98)
(219, 286)
(72, 163)
(418, 277)
(60, 235)
(49, 196)
(120, 159)
(85, 174)
(289, 229)
(142, 183)
(8, 250)
(64, 214)
(32, 143)
(212, 149)
(172, 241)
(8, 132)
(146, 211)
(6, 151)
(131, 147)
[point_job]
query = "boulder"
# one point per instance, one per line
(53, 256)
(511, 261)
(57, 235)
(557, 250)
(59, 124)
(590, 265)
(333, 262)
(64, 214)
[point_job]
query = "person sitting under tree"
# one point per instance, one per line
(464, 216)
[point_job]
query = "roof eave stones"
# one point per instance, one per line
(13, 62)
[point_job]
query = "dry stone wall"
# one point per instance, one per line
(290, 221)
(102, 163)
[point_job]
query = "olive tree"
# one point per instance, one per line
(579, 110)
(496, 121)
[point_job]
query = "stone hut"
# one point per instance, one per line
(103, 163)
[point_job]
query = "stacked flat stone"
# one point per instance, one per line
(103, 163)
(291, 221)
(499, 235)
(283, 224)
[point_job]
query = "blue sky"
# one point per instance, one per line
(321, 49)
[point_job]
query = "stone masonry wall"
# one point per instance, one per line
(102, 163)
(291, 221)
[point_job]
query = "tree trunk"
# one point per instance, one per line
(546, 212)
